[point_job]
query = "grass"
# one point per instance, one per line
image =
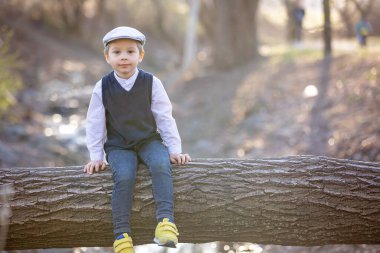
(313, 49)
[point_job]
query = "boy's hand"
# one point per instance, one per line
(94, 166)
(180, 159)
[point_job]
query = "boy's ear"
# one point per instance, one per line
(141, 57)
(106, 57)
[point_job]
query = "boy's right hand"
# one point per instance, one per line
(94, 166)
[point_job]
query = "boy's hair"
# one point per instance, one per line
(139, 46)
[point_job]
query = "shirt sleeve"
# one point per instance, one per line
(96, 125)
(162, 111)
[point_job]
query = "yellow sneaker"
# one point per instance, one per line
(166, 234)
(123, 244)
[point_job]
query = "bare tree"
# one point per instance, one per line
(231, 29)
(160, 14)
(190, 46)
(363, 6)
(327, 37)
(352, 10)
(295, 13)
(346, 13)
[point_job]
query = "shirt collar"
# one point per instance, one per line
(128, 81)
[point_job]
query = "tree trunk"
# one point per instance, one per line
(231, 29)
(290, 25)
(300, 200)
(191, 39)
(327, 28)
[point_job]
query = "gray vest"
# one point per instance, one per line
(129, 118)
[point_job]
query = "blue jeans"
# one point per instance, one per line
(124, 165)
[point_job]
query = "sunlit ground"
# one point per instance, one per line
(315, 47)
(212, 247)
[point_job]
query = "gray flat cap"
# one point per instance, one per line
(124, 32)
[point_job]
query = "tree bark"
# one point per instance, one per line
(300, 200)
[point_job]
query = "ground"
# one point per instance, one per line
(267, 108)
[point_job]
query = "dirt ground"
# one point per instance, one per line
(264, 109)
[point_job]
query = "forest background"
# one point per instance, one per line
(241, 82)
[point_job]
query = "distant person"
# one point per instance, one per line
(130, 118)
(362, 29)
(298, 16)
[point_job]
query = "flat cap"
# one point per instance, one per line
(124, 32)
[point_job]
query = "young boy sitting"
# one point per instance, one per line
(130, 118)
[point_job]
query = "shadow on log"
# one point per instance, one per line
(300, 200)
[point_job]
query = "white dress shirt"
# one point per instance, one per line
(96, 132)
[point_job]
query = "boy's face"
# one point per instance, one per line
(123, 55)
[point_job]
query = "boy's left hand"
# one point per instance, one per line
(180, 159)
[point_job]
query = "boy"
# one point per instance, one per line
(127, 107)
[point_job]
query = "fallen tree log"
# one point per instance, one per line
(300, 200)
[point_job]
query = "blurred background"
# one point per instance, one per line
(247, 79)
